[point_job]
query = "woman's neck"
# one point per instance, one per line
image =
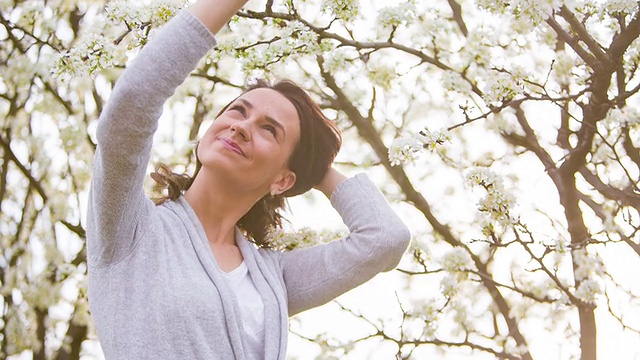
(219, 206)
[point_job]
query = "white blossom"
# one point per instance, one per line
(483, 176)
(452, 81)
(133, 14)
(82, 315)
(406, 149)
(586, 265)
(535, 11)
(93, 54)
(588, 291)
(21, 334)
(620, 7)
(543, 288)
(449, 286)
(340, 59)
(381, 74)
(493, 5)
(124, 12)
(346, 10)
(163, 10)
(501, 87)
(18, 71)
(511, 347)
(457, 259)
(498, 201)
(564, 66)
(476, 52)
(394, 16)
(631, 57)
(462, 313)
(280, 239)
(42, 293)
(428, 311)
(529, 13)
(498, 204)
(619, 117)
(601, 152)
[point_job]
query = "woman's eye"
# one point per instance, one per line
(270, 129)
(237, 108)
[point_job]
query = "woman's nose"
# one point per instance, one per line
(242, 129)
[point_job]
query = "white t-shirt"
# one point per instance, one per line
(251, 309)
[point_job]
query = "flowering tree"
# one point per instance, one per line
(506, 131)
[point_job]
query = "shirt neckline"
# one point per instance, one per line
(239, 271)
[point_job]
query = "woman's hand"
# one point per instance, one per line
(330, 181)
(214, 14)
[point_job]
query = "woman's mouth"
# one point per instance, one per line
(231, 145)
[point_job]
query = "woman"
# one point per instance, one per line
(180, 280)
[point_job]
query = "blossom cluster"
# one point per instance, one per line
(257, 49)
(450, 285)
(453, 81)
(564, 66)
(498, 201)
(406, 149)
(529, 12)
(456, 263)
(586, 265)
(427, 311)
(620, 7)
(91, 55)
(340, 59)
(345, 10)
(97, 51)
(622, 117)
(588, 291)
(135, 14)
(381, 74)
(280, 239)
(394, 16)
(500, 88)
(457, 259)
(21, 334)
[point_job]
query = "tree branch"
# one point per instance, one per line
(367, 131)
(33, 181)
(457, 16)
(622, 40)
(584, 36)
(626, 198)
(574, 43)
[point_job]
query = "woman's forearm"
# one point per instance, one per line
(214, 14)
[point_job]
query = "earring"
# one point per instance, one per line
(273, 193)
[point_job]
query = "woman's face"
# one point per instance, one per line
(252, 140)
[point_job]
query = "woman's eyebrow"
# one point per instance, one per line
(271, 120)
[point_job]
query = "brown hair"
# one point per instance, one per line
(318, 145)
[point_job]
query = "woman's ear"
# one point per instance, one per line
(284, 183)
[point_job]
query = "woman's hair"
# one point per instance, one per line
(318, 145)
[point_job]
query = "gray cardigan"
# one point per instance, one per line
(155, 290)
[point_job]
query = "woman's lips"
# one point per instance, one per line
(231, 145)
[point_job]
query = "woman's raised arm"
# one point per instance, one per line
(377, 241)
(118, 208)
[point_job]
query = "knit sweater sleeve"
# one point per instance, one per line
(118, 208)
(376, 243)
